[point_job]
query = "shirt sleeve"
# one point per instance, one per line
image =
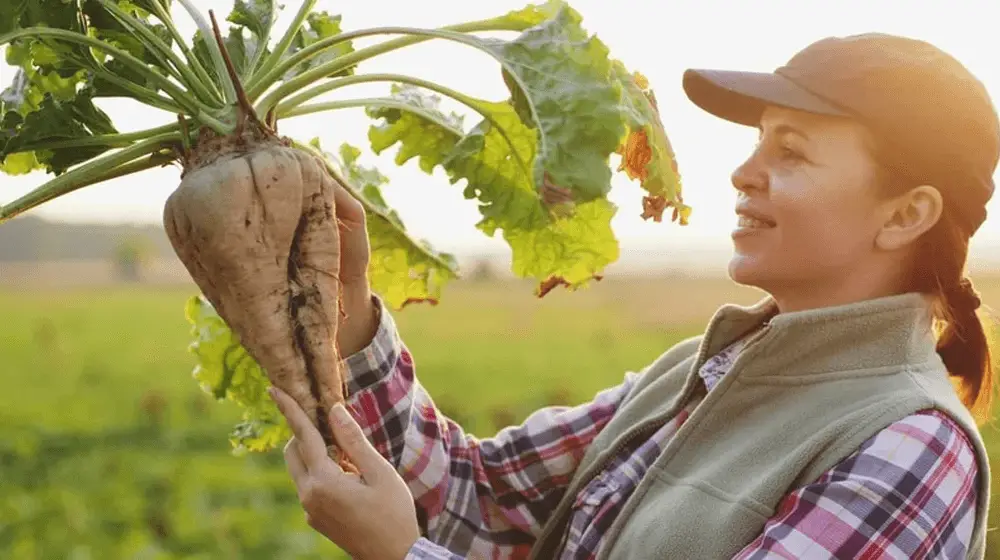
(424, 549)
(908, 492)
(482, 497)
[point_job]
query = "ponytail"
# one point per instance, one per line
(964, 347)
(938, 269)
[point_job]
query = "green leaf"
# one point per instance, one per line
(55, 120)
(110, 28)
(561, 83)
(61, 14)
(147, 5)
(240, 50)
(320, 25)
(418, 136)
(240, 47)
(533, 14)
(11, 12)
(568, 244)
(562, 243)
(256, 15)
(202, 52)
(23, 126)
(225, 370)
(539, 164)
(402, 270)
(19, 164)
(49, 54)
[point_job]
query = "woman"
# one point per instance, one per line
(830, 420)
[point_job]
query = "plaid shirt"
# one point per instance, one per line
(908, 492)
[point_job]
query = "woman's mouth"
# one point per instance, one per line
(748, 222)
(751, 222)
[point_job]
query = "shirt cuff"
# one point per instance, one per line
(424, 549)
(376, 362)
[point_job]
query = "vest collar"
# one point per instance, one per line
(885, 332)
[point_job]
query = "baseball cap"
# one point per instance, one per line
(933, 118)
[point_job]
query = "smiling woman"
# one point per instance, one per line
(813, 216)
(822, 422)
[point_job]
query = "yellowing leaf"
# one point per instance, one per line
(646, 151)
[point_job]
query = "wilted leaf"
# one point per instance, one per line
(646, 151)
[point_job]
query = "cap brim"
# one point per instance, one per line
(741, 97)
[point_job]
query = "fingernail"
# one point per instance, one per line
(339, 414)
(274, 393)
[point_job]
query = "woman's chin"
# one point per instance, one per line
(745, 269)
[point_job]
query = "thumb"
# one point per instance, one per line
(350, 213)
(352, 440)
(355, 248)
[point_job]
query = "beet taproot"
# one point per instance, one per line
(256, 229)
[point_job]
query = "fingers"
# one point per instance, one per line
(296, 468)
(311, 448)
(352, 440)
(355, 248)
(349, 209)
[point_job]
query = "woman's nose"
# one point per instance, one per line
(750, 175)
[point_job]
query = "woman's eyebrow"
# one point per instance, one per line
(783, 129)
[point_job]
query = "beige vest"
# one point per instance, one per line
(805, 393)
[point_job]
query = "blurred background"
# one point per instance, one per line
(109, 449)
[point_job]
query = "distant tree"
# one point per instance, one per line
(130, 255)
(483, 270)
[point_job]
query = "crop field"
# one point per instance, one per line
(108, 449)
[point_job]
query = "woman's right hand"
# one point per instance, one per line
(359, 317)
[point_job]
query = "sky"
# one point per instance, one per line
(660, 39)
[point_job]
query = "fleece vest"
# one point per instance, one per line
(807, 390)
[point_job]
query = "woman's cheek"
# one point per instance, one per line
(800, 238)
(807, 237)
(828, 243)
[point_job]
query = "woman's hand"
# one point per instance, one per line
(371, 517)
(358, 317)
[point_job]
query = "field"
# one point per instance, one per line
(108, 449)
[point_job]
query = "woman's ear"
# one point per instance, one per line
(908, 217)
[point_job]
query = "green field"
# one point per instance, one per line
(109, 450)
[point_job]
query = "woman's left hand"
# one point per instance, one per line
(371, 517)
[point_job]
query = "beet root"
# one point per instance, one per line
(256, 228)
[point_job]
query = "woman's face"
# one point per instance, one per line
(809, 208)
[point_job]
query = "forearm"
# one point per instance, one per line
(360, 318)
(379, 386)
(474, 494)
(483, 497)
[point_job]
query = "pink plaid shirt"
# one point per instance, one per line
(908, 492)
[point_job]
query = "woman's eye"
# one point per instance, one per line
(790, 154)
